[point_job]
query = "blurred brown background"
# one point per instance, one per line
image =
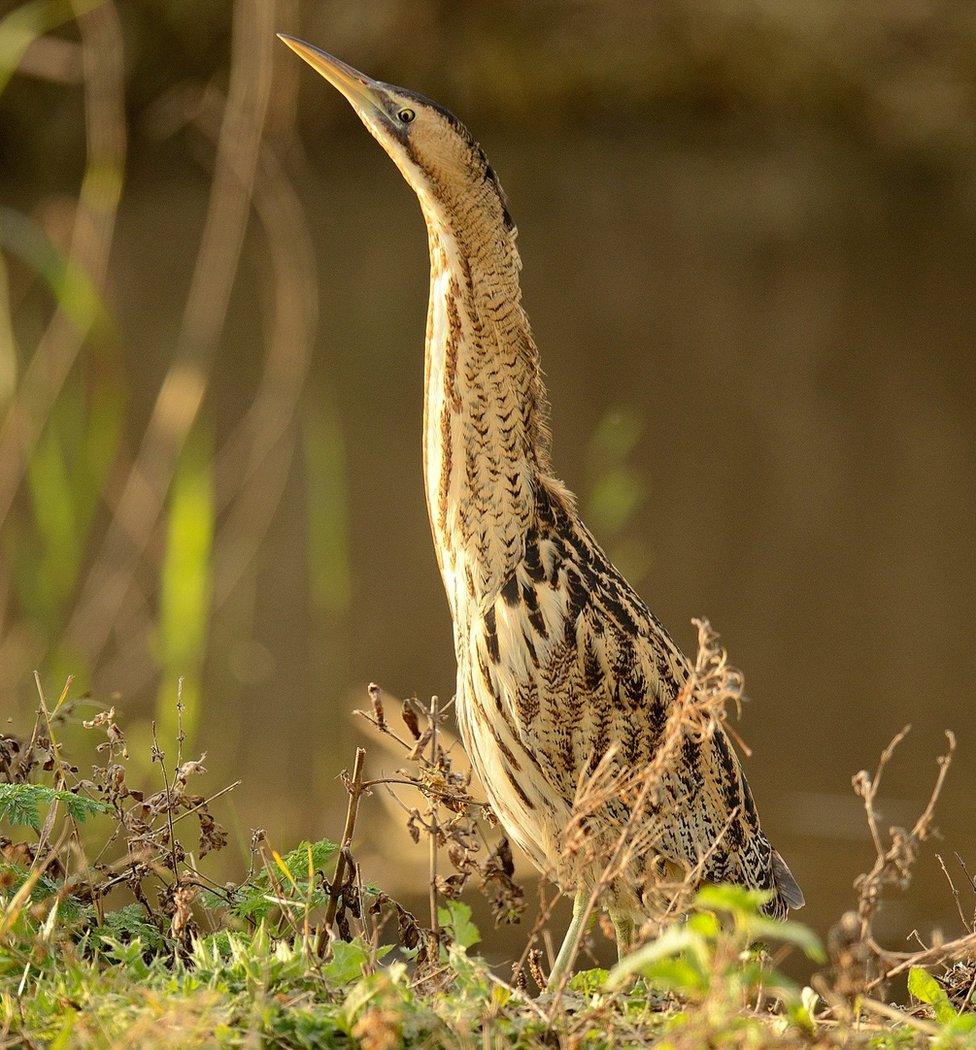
(748, 236)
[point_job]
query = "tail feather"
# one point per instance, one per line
(759, 867)
(786, 886)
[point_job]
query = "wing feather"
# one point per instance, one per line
(597, 670)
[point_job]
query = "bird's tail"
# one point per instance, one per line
(760, 867)
(788, 893)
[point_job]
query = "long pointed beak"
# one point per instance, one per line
(357, 87)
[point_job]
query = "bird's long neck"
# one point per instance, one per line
(485, 426)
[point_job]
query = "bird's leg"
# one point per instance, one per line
(623, 928)
(570, 941)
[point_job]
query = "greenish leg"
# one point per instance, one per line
(623, 927)
(562, 963)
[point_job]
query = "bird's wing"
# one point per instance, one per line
(602, 672)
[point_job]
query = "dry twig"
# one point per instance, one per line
(354, 786)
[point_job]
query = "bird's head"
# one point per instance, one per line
(434, 151)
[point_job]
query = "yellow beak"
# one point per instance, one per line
(357, 87)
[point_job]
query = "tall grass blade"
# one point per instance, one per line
(328, 511)
(185, 587)
(8, 345)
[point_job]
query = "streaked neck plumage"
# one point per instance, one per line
(486, 443)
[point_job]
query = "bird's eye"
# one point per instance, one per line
(405, 116)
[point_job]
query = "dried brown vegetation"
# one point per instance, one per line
(444, 810)
(316, 898)
(862, 969)
(142, 853)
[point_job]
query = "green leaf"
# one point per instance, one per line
(761, 928)
(357, 999)
(704, 923)
(63, 1039)
(251, 901)
(456, 919)
(128, 924)
(322, 852)
(589, 982)
(501, 995)
(13, 876)
(129, 956)
(927, 989)
(803, 1013)
(924, 986)
(801, 1018)
(19, 804)
(734, 899)
(959, 1024)
(79, 807)
(680, 975)
(347, 962)
(754, 974)
(673, 941)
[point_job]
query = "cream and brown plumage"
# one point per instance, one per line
(559, 660)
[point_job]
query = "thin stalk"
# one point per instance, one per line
(432, 823)
(61, 782)
(355, 788)
(578, 928)
(161, 759)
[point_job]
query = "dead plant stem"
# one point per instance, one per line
(432, 818)
(355, 789)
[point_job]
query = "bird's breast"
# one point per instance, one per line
(513, 777)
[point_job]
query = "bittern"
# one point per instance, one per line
(559, 662)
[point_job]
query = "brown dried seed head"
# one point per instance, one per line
(534, 963)
(191, 768)
(409, 716)
(182, 914)
(376, 699)
(100, 719)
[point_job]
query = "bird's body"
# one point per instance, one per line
(559, 661)
(558, 658)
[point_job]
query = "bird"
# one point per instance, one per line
(559, 662)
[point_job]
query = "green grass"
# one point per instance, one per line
(112, 934)
(73, 983)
